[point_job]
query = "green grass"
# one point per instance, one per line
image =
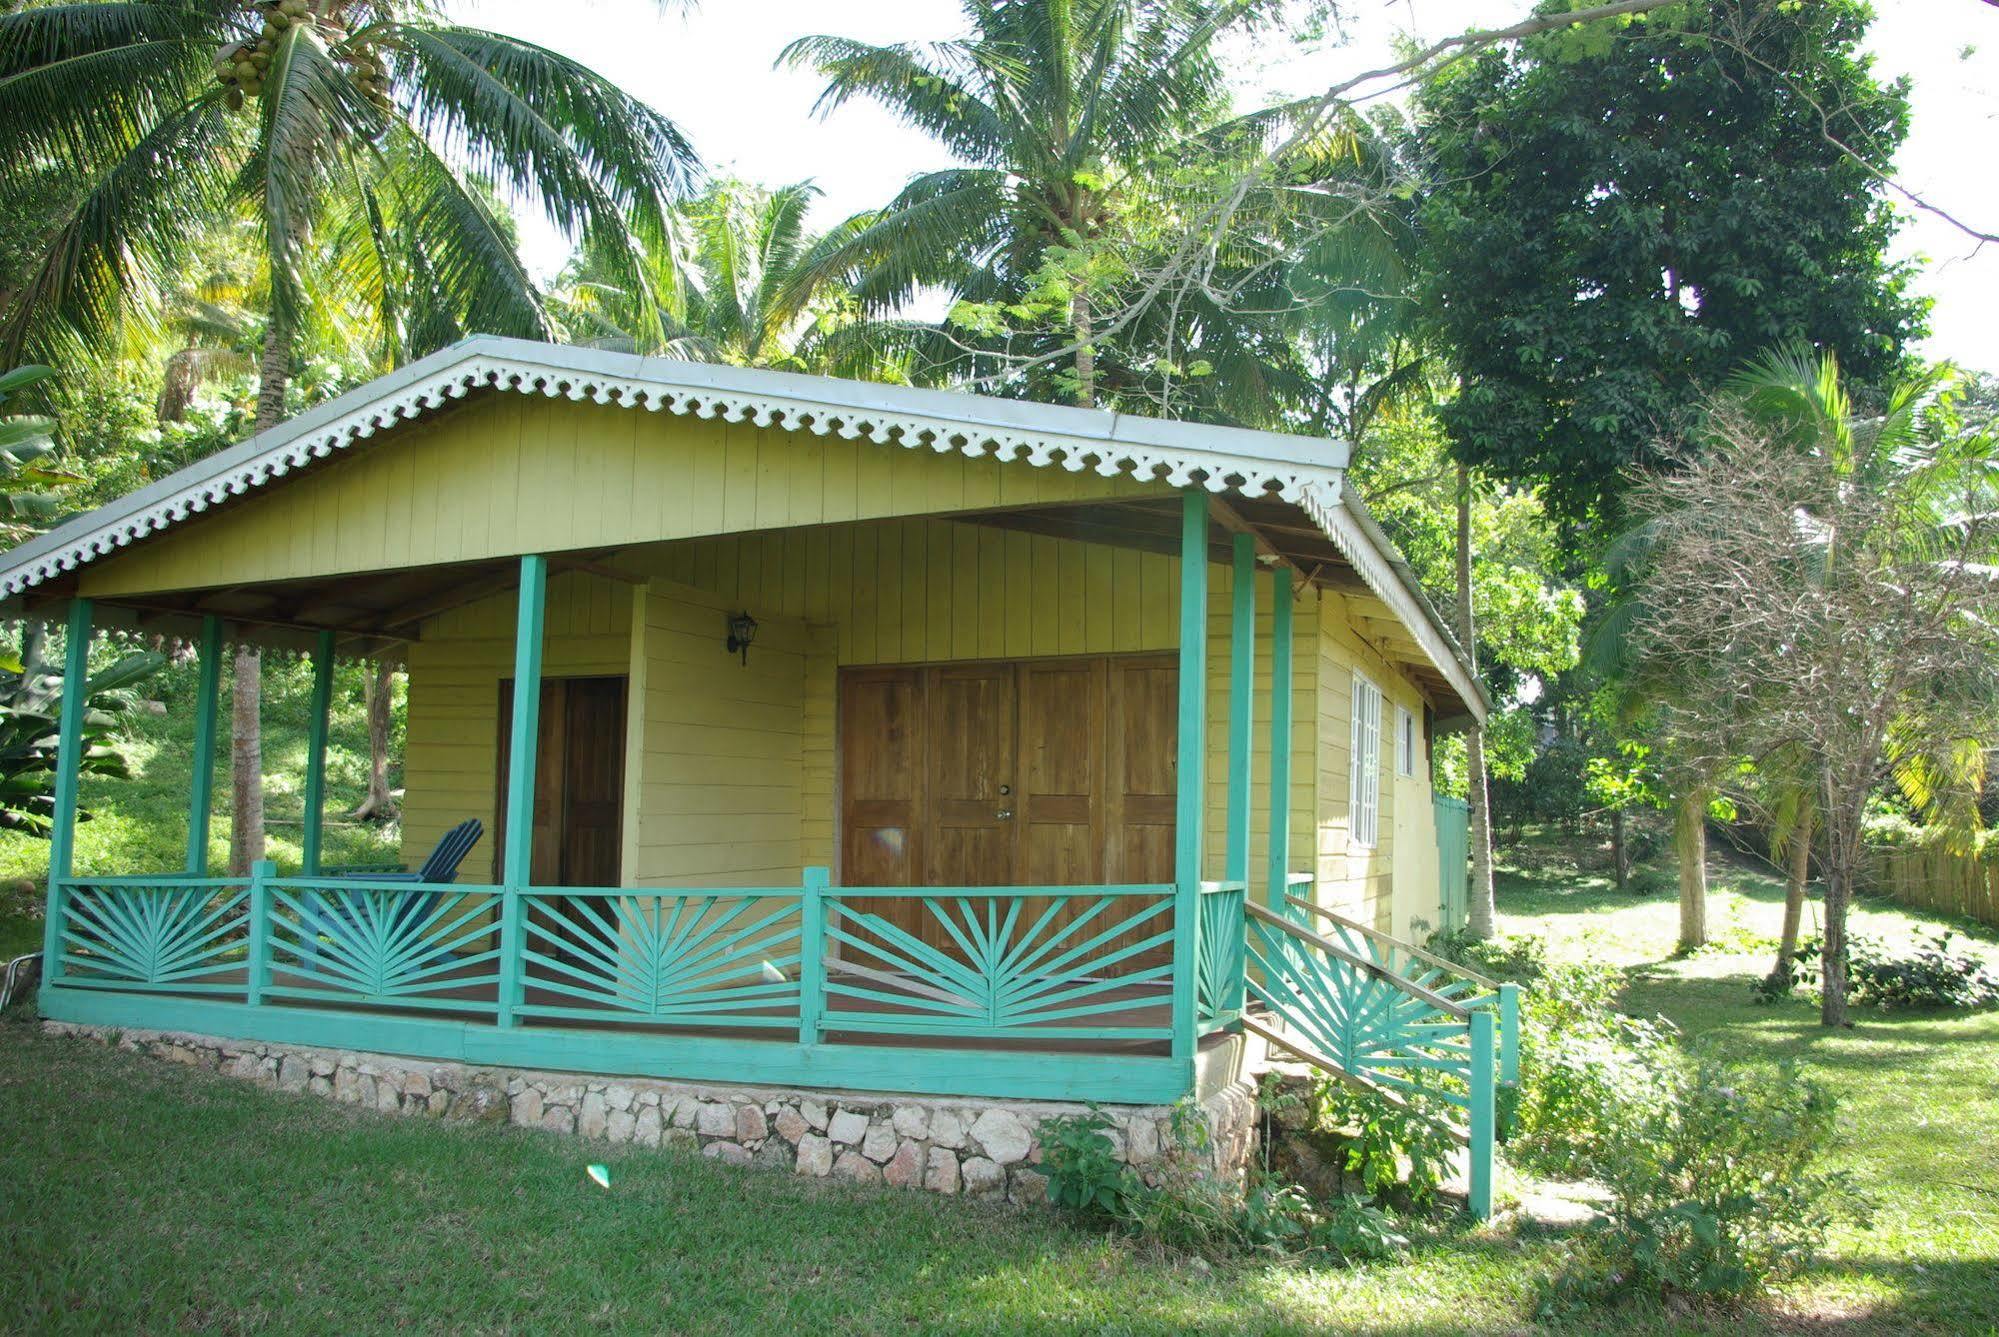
(1918, 1091)
(145, 1196)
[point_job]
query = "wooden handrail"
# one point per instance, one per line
(1374, 968)
(1442, 963)
(1356, 1080)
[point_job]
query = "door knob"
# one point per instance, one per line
(1004, 814)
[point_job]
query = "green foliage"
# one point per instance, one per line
(1584, 1068)
(1508, 957)
(1715, 1186)
(1926, 973)
(31, 717)
(1185, 1209)
(1396, 1147)
(25, 471)
(1596, 257)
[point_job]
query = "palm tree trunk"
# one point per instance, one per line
(246, 753)
(1086, 356)
(1690, 848)
(1480, 910)
(1794, 898)
(379, 805)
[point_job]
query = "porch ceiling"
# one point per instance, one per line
(1284, 535)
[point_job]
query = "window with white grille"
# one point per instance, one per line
(1405, 743)
(1364, 767)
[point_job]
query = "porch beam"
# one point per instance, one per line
(1242, 704)
(1280, 739)
(207, 695)
(315, 753)
(1190, 785)
(69, 768)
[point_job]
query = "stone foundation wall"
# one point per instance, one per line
(979, 1147)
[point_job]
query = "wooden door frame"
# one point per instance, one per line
(1166, 657)
(503, 692)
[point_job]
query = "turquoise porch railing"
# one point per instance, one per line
(1220, 956)
(651, 980)
(1340, 1003)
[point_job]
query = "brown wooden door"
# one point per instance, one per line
(1042, 773)
(579, 792)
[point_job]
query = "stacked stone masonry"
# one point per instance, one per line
(977, 1147)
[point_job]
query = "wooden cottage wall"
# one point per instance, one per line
(450, 759)
(505, 474)
(1356, 880)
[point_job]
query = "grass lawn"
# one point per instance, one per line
(141, 1195)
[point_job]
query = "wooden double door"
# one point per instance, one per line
(1055, 772)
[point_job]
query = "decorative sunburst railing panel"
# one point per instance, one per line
(1219, 958)
(1082, 962)
(170, 934)
(402, 945)
(710, 958)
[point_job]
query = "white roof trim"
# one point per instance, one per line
(1182, 454)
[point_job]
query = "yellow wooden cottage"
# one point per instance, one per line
(827, 733)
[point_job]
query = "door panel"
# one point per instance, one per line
(1059, 811)
(1144, 764)
(881, 777)
(579, 792)
(971, 775)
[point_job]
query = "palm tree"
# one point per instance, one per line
(742, 281)
(305, 116)
(1057, 109)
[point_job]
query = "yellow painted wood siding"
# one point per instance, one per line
(720, 788)
(1353, 879)
(451, 753)
(504, 475)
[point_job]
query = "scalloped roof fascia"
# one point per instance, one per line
(1182, 454)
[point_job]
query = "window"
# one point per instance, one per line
(1405, 743)
(1364, 766)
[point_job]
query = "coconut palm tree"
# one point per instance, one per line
(1055, 110)
(742, 280)
(303, 116)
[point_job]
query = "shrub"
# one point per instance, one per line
(1713, 1187)
(1191, 1211)
(1583, 1064)
(1384, 1136)
(1931, 973)
(1512, 957)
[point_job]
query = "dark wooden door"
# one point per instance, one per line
(579, 792)
(1041, 773)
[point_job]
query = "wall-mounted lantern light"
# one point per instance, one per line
(742, 630)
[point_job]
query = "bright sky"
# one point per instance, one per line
(712, 71)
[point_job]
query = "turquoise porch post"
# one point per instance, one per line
(1280, 740)
(1242, 696)
(517, 858)
(69, 767)
(201, 796)
(1191, 788)
(315, 754)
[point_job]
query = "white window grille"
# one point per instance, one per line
(1364, 768)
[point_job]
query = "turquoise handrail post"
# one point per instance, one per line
(811, 963)
(517, 858)
(69, 767)
(1483, 1115)
(315, 754)
(1509, 1035)
(201, 796)
(259, 965)
(1187, 814)
(1280, 739)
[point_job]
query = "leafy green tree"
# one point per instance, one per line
(312, 118)
(31, 718)
(1623, 214)
(26, 473)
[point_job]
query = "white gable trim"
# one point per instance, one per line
(1181, 454)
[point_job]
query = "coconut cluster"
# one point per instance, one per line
(241, 67)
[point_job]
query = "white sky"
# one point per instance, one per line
(711, 70)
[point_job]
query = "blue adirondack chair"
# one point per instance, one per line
(337, 915)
